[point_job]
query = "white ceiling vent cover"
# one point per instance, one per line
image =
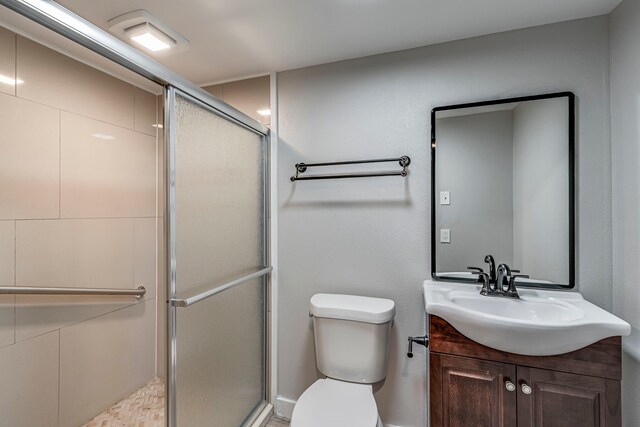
(140, 28)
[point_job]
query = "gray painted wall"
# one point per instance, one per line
(625, 134)
(371, 236)
(474, 158)
(541, 189)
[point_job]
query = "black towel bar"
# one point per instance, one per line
(404, 161)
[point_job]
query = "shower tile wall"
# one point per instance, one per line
(77, 208)
(248, 96)
(7, 60)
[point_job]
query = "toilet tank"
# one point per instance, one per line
(352, 335)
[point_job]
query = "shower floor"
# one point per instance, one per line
(144, 408)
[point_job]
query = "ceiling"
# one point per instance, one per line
(240, 38)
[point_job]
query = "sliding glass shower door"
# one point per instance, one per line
(218, 266)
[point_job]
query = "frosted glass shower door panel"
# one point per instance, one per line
(220, 357)
(217, 230)
(219, 198)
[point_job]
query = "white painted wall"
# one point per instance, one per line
(474, 157)
(371, 236)
(541, 189)
(625, 139)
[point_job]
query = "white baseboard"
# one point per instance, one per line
(284, 407)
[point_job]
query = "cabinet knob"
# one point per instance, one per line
(509, 386)
(526, 389)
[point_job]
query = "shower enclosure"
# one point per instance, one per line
(216, 240)
(217, 255)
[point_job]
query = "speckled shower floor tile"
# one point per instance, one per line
(144, 408)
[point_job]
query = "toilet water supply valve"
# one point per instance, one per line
(418, 340)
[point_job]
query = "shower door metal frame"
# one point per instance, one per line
(55, 17)
(174, 303)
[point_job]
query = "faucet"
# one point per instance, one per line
(492, 267)
(506, 277)
(486, 279)
(500, 282)
(504, 273)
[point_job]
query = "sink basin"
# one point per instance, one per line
(540, 323)
(539, 310)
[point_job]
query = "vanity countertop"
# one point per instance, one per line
(540, 323)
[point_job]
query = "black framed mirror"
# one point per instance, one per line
(503, 183)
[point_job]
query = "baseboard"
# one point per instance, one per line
(284, 407)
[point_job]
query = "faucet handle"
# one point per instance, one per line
(482, 276)
(511, 290)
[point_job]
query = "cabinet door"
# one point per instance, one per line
(467, 392)
(558, 399)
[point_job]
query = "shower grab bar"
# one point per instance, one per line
(45, 290)
(404, 161)
(186, 302)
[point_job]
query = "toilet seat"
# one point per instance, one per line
(334, 403)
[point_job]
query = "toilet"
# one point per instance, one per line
(352, 335)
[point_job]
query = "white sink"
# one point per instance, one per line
(540, 323)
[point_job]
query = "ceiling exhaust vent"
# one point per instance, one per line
(140, 28)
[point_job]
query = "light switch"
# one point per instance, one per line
(445, 235)
(444, 198)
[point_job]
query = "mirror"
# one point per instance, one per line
(502, 183)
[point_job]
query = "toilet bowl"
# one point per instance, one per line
(336, 403)
(351, 335)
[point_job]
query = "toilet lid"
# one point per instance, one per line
(335, 403)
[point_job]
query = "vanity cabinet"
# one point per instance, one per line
(471, 392)
(562, 399)
(474, 385)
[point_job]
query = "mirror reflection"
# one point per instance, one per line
(503, 186)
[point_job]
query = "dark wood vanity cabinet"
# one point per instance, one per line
(470, 392)
(473, 385)
(562, 399)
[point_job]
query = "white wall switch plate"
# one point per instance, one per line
(445, 235)
(444, 198)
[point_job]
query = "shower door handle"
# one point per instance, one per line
(186, 302)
